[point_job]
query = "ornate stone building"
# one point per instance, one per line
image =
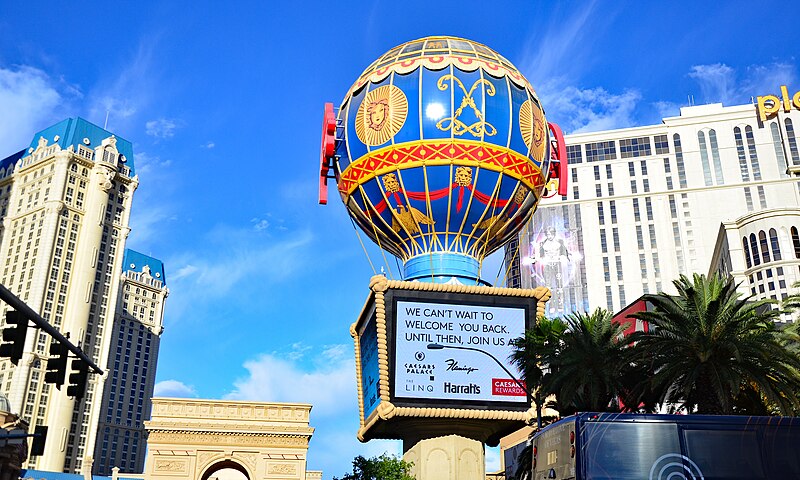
(209, 439)
(64, 212)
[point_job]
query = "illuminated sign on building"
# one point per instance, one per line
(769, 105)
(451, 373)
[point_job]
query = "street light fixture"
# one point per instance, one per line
(439, 346)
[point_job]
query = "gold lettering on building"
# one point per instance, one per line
(769, 105)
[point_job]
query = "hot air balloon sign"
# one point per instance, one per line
(441, 152)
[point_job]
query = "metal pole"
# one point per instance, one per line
(20, 306)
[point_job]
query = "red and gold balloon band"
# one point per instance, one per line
(438, 152)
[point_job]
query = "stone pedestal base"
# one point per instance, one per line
(447, 458)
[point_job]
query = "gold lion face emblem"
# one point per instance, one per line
(381, 115)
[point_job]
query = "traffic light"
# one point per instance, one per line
(77, 379)
(57, 364)
(39, 439)
(14, 336)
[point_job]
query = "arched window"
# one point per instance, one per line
(737, 135)
(746, 249)
(777, 144)
(676, 139)
(762, 237)
(796, 242)
(776, 248)
(754, 249)
(792, 141)
(701, 139)
(712, 137)
(751, 149)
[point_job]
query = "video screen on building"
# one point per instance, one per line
(448, 351)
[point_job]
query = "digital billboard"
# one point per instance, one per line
(449, 351)
(370, 374)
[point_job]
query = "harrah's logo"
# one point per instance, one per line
(769, 105)
(507, 387)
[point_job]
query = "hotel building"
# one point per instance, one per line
(646, 204)
(64, 210)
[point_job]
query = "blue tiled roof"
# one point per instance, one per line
(135, 261)
(72, 131)
(11, 159)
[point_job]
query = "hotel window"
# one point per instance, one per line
(662, 145)
(608, 171)
(609, 299)
(636, 215)
(634, 147)
(613, 208)
(615, 236)
(631, 169)
(603, 243)
(633, 186)
(610, 189)
(754, 250)
(597, 173)
(643, 265)
(600, 214)
(574, 177)
(639, 237)
(649, 208)
(606, 270)
(701, 139)
(574, 154)
(777, 144)
(776, 248)
(751, 148)
(748, 198)
(762, 239)
(575, 192)
(792, 141)
(676, 139)
(712, 136)
(618, 261)
(598, 191)
(762, 196)
(652, 230)
(600, 151)
(644, 167)
(646, 185)
(746, 249)
(667, 168)
(673, 208)
(745, 171)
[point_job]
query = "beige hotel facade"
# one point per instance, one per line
(65, 204)
(646, 204)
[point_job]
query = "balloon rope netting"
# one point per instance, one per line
(504, 268)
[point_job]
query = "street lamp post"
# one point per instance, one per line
(439, 346)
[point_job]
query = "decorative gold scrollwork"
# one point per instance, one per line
(477, 129)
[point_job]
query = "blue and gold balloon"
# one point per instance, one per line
(444, 155)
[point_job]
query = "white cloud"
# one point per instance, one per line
(30, 100)
(128, 90)
(716, 81)
(174, 388)
(162, 127)
(592, 109)
(260, 224)
(719, 82)
(208, 145)
(231, 262)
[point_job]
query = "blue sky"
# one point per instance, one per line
(223, 103)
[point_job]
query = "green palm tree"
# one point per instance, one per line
(708, 346)
(589, 371)
(533, 352)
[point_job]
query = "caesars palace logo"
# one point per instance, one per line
(768, 106)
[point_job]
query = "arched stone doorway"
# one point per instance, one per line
(191, 439)
(226, 470)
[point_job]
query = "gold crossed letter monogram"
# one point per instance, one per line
(481, 127)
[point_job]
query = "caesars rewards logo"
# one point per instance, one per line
(768, 105)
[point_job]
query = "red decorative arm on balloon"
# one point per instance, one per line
(327, 149)
(558, 158)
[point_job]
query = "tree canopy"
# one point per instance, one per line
(383, 467)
